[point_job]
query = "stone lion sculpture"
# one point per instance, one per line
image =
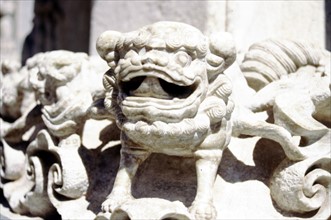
(59, 80)
(16, 97)
(168, 92)
(167, 89)
(64, 92)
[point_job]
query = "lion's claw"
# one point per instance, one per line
(113, 201)
(203, 211)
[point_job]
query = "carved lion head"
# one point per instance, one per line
(61, 88)
(50, 70)
(162, 71)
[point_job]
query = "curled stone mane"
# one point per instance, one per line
(59, 59)
(171, 37)
(218, 50)
(269, 60)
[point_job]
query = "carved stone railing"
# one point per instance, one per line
(172, 91)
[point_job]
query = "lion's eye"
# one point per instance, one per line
(182, 58)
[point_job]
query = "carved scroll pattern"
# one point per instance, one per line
(304, 186)
(52, 174)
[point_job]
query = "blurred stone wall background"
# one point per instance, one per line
(31, 26)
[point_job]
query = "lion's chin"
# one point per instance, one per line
(161, 137)
(153, 110)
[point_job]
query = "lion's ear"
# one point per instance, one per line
(106, 46)
(222, 53)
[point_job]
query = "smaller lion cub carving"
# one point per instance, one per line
(168, 93)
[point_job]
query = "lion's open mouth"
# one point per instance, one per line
(153, 95)
(147, 86)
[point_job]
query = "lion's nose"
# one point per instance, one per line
(149, 57)
(146, 60)
(155, 57)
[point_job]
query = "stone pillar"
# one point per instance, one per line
(16, 23)
(216, 19)
(58, 24)
(328, 24)
(7, 30)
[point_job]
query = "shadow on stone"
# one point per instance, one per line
(267, 155)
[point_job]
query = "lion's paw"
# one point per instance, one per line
(203, 211)
(113, 201)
